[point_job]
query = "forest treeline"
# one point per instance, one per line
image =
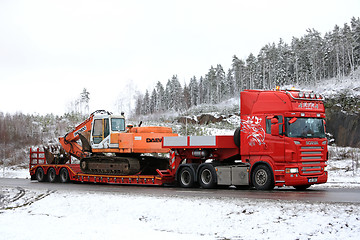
(304, 61)
(21, 130)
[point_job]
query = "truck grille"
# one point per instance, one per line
(311, 158)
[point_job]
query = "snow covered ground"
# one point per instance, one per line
(26, 214)
(29, 214)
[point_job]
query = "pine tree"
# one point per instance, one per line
(238, 69)
(168, 96)
(230, 84)
(146, 104)
(220, 84)
(355, 29)
(161, 98)
(202, 91)
(194, 91)
(250, 72)
(84, 102)
(153, 101)
(186, 97)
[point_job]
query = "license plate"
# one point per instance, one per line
(312, 180)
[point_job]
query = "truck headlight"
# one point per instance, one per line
(291, 170)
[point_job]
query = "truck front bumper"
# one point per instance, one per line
(295, 179)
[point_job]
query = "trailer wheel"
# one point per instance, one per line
(51, 174)
(262, 178)
(64, 175)
(207, 177)
(186, 177)
(40, 174)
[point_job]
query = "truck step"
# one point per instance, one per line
(164, 173)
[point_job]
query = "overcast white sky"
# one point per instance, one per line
(51, 50)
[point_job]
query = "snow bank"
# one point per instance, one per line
(14, 172)
(58, 215)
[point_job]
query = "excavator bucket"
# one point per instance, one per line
(85, 141)
(56, 155)
(49, 156)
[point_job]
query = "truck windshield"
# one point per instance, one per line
(117, 124)
(305, 128)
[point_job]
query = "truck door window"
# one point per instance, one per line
(268, 124)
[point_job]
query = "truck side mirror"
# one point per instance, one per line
(292, 120)
(275, 127)
(274, 121)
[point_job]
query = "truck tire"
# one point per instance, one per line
(40, 174)
(207, 177)
(64, 175)
(237, 137)
(51, 174)
(262, 178)
(186, 177)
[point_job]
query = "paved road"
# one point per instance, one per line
(311, 195)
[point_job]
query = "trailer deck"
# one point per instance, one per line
(37, 160)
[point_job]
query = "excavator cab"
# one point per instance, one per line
(103, 127)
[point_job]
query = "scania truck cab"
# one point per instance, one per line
(282, 137)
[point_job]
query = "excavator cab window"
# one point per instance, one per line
(106, 128)
(117, 124)
(100, 130)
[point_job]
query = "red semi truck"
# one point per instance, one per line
(280, 142)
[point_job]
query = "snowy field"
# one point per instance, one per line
(27, 214)
(30, 214)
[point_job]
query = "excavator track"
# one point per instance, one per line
(123, 165)
(110, 165)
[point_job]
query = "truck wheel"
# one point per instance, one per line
(302, 187)
(64, 175)
(262, 178)
(40, 174)
(186, 177)
(207, 177)
(237, 137)
(51, 174)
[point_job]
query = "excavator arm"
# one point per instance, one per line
(69, 142)
(82, 132)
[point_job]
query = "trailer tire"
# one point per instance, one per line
(262, 178)
(64, 175)
(207, 176)
(40, 174)
(51, 174)
(186, 177)
(237, 137)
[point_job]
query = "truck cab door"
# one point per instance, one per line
(100, 135)
(275, 141)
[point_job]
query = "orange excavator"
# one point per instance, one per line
(107, 146)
